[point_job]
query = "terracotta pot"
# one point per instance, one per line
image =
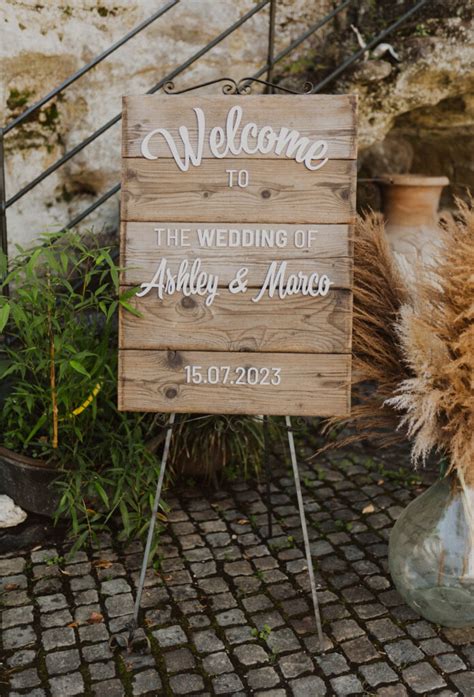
(410, 206)
(28, 482)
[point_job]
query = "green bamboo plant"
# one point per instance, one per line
(58, 378)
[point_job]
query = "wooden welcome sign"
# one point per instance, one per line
(236, 229)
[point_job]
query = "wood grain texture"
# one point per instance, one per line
(140, 252)
(311, 384)
(232, 323)
(141, 239)
(339, 271)
(317, 117)
(309, 339)
(280, 193)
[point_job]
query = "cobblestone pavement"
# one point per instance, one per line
(228, 611)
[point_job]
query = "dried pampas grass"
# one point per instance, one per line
(378, 366)
(436, 334)
(414, 342)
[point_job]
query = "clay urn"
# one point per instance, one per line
(410, 206)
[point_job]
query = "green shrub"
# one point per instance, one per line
(58, 373)
(59, 360)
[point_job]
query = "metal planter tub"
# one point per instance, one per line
(28, 482)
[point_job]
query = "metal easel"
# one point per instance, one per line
(136, 639)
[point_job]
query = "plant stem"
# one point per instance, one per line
(52, 374)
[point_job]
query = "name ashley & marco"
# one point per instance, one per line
(191, 278)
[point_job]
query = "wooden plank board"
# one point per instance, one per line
(311, 384)
(331, 118)
(232, 323)
(138, 240)
(187, 159)
(287, 193)
(142, 270)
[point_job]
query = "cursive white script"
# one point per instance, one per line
(226, 141)
(189, 280)
(295, 283)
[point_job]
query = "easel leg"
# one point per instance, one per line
(304, 529)
(135, 639)
(266, 464)
(151, 529)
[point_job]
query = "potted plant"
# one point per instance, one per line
(65, 449)
(59, 421)
(415, 345)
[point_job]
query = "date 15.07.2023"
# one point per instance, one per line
(227, 375)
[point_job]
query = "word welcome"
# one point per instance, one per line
(226, 141)
(190, 279)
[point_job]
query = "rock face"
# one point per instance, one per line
(419, 117)
(416, 115)
(43, 43)
(10, 514)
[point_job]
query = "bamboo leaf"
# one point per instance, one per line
(102, 493)
(79, 368)
(4, 315)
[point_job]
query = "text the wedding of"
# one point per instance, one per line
(236, 227)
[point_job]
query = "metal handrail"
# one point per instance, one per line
(80, 146)
(271, 61)
(85, 68)
(282, 54)
(373, 42)
(305, 35)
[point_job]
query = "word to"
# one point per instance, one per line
(225, 375)
(224, 142)
(191, 280)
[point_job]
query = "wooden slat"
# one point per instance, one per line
(311, 384)
(141, 253)
(339, 271)
(233, 323)
(283, 193)
(330, 118)
(142, 239)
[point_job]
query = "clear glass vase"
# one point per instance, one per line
(431, 554)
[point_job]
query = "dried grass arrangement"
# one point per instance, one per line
(415, 343)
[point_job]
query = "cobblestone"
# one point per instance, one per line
(377, 673)
(217, 663)
(25, 679)
(145, 682)
(179, 660)
(67, 685)
(60, 636)
(62, 661)
(346, 685)
(262, 678)
(308, 687)
(230, 611)
(18, 637)
(171, 636)
(230, 683)
(422, 678)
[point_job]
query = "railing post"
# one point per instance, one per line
(3, 198)
(271, 44)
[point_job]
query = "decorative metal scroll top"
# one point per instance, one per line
(242, 86)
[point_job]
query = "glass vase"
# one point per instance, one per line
(431, 554)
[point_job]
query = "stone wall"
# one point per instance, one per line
(415, 115)
(44, 41)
